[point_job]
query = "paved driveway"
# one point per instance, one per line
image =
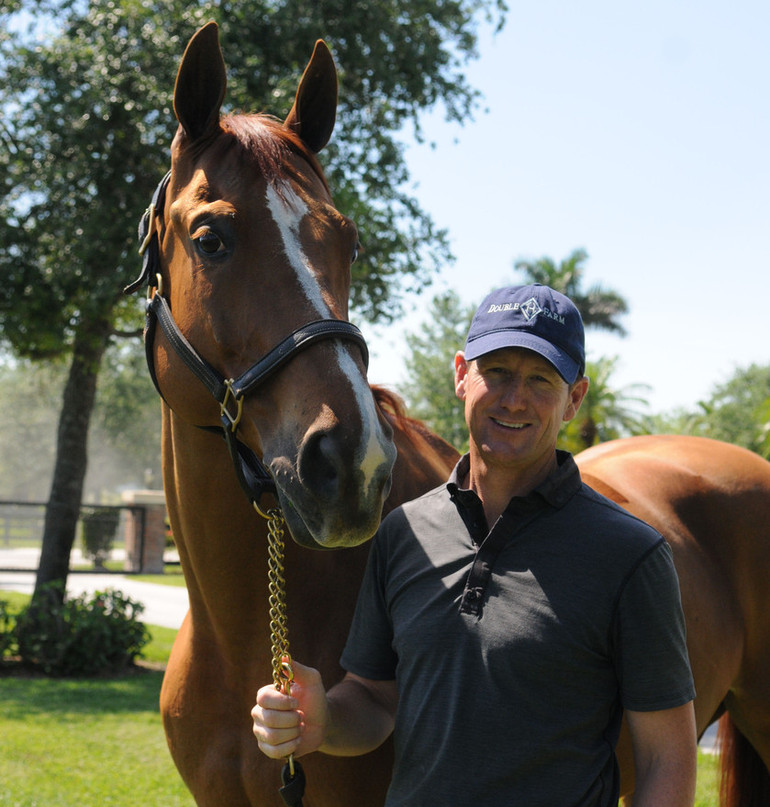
(163, 605)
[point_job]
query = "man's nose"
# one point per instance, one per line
(514, 394)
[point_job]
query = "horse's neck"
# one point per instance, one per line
(223, 547)
(222, 542)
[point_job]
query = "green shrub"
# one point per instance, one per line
(6, 626)
(99, 527)
(80, 636)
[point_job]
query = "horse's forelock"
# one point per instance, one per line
(265, 140)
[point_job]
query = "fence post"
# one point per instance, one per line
(145, 531)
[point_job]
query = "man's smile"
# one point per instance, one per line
(507, 425)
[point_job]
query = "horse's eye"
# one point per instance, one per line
(209, 243)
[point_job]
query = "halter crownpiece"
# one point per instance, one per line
(252, 474)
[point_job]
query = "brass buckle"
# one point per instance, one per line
(233, 420)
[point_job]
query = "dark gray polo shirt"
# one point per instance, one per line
(516, 651)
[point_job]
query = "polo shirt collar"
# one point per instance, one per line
(557, 489)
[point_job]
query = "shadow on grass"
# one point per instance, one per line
(23, 696)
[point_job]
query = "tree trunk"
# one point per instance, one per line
(63, 507)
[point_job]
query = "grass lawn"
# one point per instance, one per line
(100, 742)
(87, 742)
(707, 791)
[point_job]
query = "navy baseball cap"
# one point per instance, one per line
(534, 317)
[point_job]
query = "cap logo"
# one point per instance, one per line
(530, 309)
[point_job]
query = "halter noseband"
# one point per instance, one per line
(229, 393)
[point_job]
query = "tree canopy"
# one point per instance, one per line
(429, 389)
(600, 307)
(607, 411)
(85, 129)
(87, 123)
(737, 412)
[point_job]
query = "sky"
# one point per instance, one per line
(640, 132)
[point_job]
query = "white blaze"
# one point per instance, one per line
(288, 210)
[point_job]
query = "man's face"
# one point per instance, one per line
(515, 403)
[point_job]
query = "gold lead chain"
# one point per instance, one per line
(283, 675)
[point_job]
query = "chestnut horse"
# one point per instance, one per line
(247, 264)
(243, 248)
(711, 501)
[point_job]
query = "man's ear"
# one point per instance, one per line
(461, 374)
(577, 393)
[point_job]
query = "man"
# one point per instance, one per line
(509, 618)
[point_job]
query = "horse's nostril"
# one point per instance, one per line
(319, 465)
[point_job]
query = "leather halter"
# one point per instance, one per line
(229, 393)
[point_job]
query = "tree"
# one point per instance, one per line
(84, 135)
(763, 413)
(76, 167)
(607, 412)
(124, 439)
(599, 307)
(125, 448)
(737, 412)
(29, 397)
(430, 367)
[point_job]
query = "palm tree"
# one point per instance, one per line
(607, 412)
(598, 306)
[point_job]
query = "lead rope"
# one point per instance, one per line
(292, 775)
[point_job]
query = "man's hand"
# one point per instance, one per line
(292, 724)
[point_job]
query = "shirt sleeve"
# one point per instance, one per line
(369, 650)
(651, 652)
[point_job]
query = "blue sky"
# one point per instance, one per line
(639, 132)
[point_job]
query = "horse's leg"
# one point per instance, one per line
(744, 743)
(744, 732)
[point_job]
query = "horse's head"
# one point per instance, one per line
(251, 248)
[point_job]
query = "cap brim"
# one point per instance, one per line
(565, 366)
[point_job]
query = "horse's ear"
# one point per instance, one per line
(315, 106)
(200, 84)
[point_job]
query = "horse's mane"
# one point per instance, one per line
(266, 140)
(392, 406)
(423, 457)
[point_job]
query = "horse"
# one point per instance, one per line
(711, 501)
(263, 382)
(242, 246)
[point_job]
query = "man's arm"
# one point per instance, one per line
(354, 717)
(665, 756)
